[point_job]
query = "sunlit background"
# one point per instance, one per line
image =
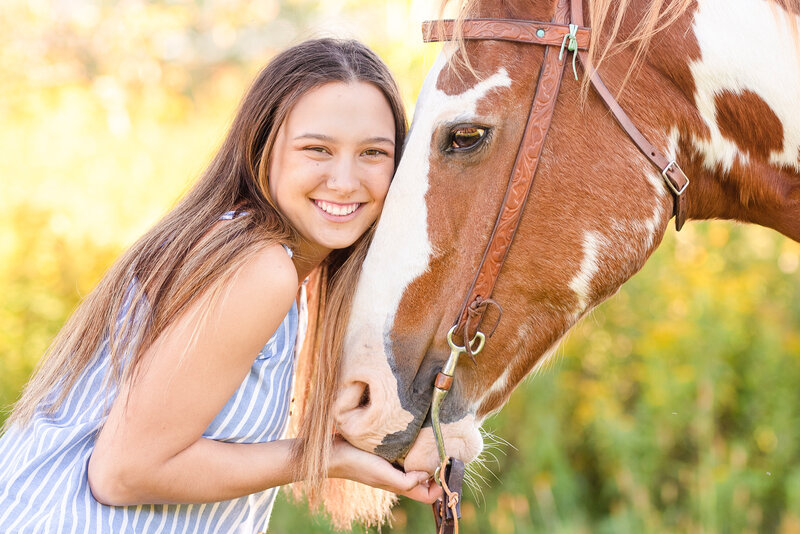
(675, 407)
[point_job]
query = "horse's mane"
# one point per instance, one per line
(605, 17)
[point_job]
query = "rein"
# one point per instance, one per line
(566, 33)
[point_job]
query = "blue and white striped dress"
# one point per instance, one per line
(43, 467)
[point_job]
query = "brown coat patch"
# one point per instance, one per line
(748, 121)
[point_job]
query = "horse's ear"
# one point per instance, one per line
(310, 303)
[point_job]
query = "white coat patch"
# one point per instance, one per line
(590, 265)
(747, 45)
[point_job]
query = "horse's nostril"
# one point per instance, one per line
(363, 402)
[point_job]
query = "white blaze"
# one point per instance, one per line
(401, 250)
(747, 45)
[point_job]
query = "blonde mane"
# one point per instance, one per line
(605, 17)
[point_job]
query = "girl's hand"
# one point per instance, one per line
(361, 466)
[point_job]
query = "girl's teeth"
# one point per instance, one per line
(335, 209)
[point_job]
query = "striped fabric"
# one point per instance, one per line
(43, 481)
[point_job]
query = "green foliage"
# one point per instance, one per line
(674, 407)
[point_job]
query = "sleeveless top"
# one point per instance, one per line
(44, 486)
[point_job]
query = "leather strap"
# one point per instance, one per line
(520, 182)
(446, 515)
(519, 31)
(672, 174)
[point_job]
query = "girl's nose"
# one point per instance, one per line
(343, 177)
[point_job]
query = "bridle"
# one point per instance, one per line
(566, 33)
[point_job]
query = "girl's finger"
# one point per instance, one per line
(413, 479)
(423, 493)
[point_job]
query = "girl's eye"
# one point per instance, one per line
(465, 138)
(374, 152)
(319, 149)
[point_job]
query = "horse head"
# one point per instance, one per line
(596, 211)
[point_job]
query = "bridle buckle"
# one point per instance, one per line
(670, 183)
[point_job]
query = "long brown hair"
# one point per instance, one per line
(179, 259)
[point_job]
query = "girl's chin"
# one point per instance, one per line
(339, 238)
(339, 235)
(325, 244)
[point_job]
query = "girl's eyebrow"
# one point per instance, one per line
(329, 139)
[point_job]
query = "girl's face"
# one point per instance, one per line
(332, 163)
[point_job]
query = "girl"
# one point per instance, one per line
(161, 403)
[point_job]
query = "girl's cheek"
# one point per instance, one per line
(379, 191)
(384, 179)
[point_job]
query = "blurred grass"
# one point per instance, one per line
(674, 407)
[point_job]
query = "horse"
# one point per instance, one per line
(712, 85)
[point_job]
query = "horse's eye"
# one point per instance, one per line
(466, 137)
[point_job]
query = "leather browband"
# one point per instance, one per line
(551, 35)
(520, 31)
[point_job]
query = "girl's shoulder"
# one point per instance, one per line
(266, 270)
(270, 269)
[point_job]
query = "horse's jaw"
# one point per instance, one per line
(462, 439)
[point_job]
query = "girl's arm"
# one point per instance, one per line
(150, 449)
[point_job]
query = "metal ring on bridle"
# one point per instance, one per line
(453, 347)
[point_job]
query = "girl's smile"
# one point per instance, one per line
(337, 212)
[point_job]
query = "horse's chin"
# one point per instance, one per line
(463, 440)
